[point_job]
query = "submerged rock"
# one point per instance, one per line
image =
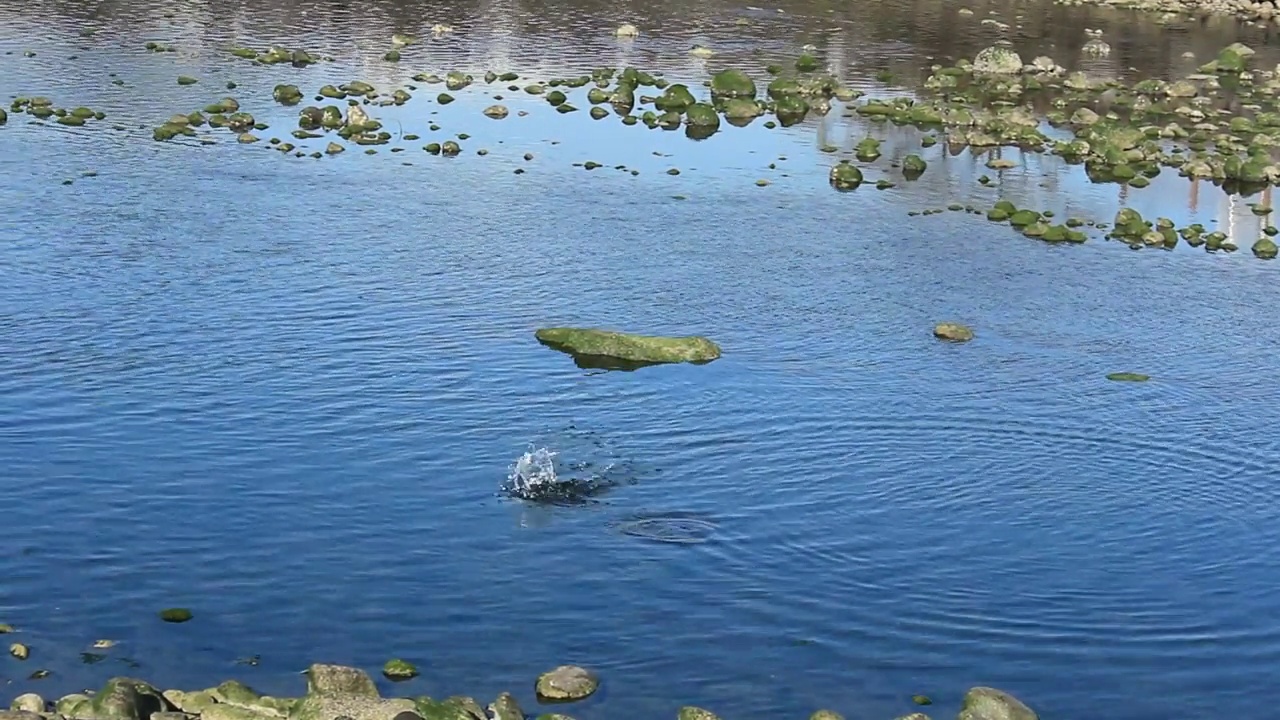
(953, 332)
(626, 347)
(1127, 377)
(984, 703)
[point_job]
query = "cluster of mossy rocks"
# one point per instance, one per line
(336, 692)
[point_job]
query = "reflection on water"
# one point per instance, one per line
(284, 392)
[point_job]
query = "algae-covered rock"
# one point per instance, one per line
(826, 715)
(458, 707)
(335, 680)
(505, 708)
(4, 116)
(23, 714)
(287, 94)
(194, 703)
(398, 669)
(997, 60)
(867, 149)
(689, 712)
(954, 332)
(913, 166)
(845, 176)
(742, 109)
(497, 112)
(1265, 248)
(570, 682)
(75, 705)
(675, 98)
(984, 703)
(1118, 377)
(28, 702)
(220, 711)
(626, 347)
(731, 83)
(703, 115)
(123, 698)
(1023, 218)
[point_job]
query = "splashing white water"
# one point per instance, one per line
(534, 473)
(580, 467)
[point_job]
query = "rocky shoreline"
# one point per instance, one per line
(336, 692)
(1264, 11)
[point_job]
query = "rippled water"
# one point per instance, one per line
(285, 392)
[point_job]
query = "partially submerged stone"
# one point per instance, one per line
(997, 60)
(731, 83)
(985, 703)
(845, 176)
(953, 332)
(497, 112)
(690, 712)
(505, 708)
(19, 651)
(570, 682)
(457, 707)
(628, 348)
(627, 30)
(398, 669)
(1128, 377)
(826, 715)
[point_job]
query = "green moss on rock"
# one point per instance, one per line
(648, 349)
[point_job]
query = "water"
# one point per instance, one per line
(286, 393)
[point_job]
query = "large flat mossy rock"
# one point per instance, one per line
(588, 343)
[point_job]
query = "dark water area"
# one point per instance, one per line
(285, 392)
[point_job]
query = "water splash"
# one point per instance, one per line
(571, 470)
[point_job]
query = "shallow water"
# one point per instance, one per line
(286, 392)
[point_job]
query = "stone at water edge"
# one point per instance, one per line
(29, 702)
(123, 698)
(325, 679)
(567, 682)
(505, 708)
(985, 703)
(20, 715)
(629, 347)
(954, 332)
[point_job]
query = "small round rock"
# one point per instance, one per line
(953, 332)
(567, 682)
